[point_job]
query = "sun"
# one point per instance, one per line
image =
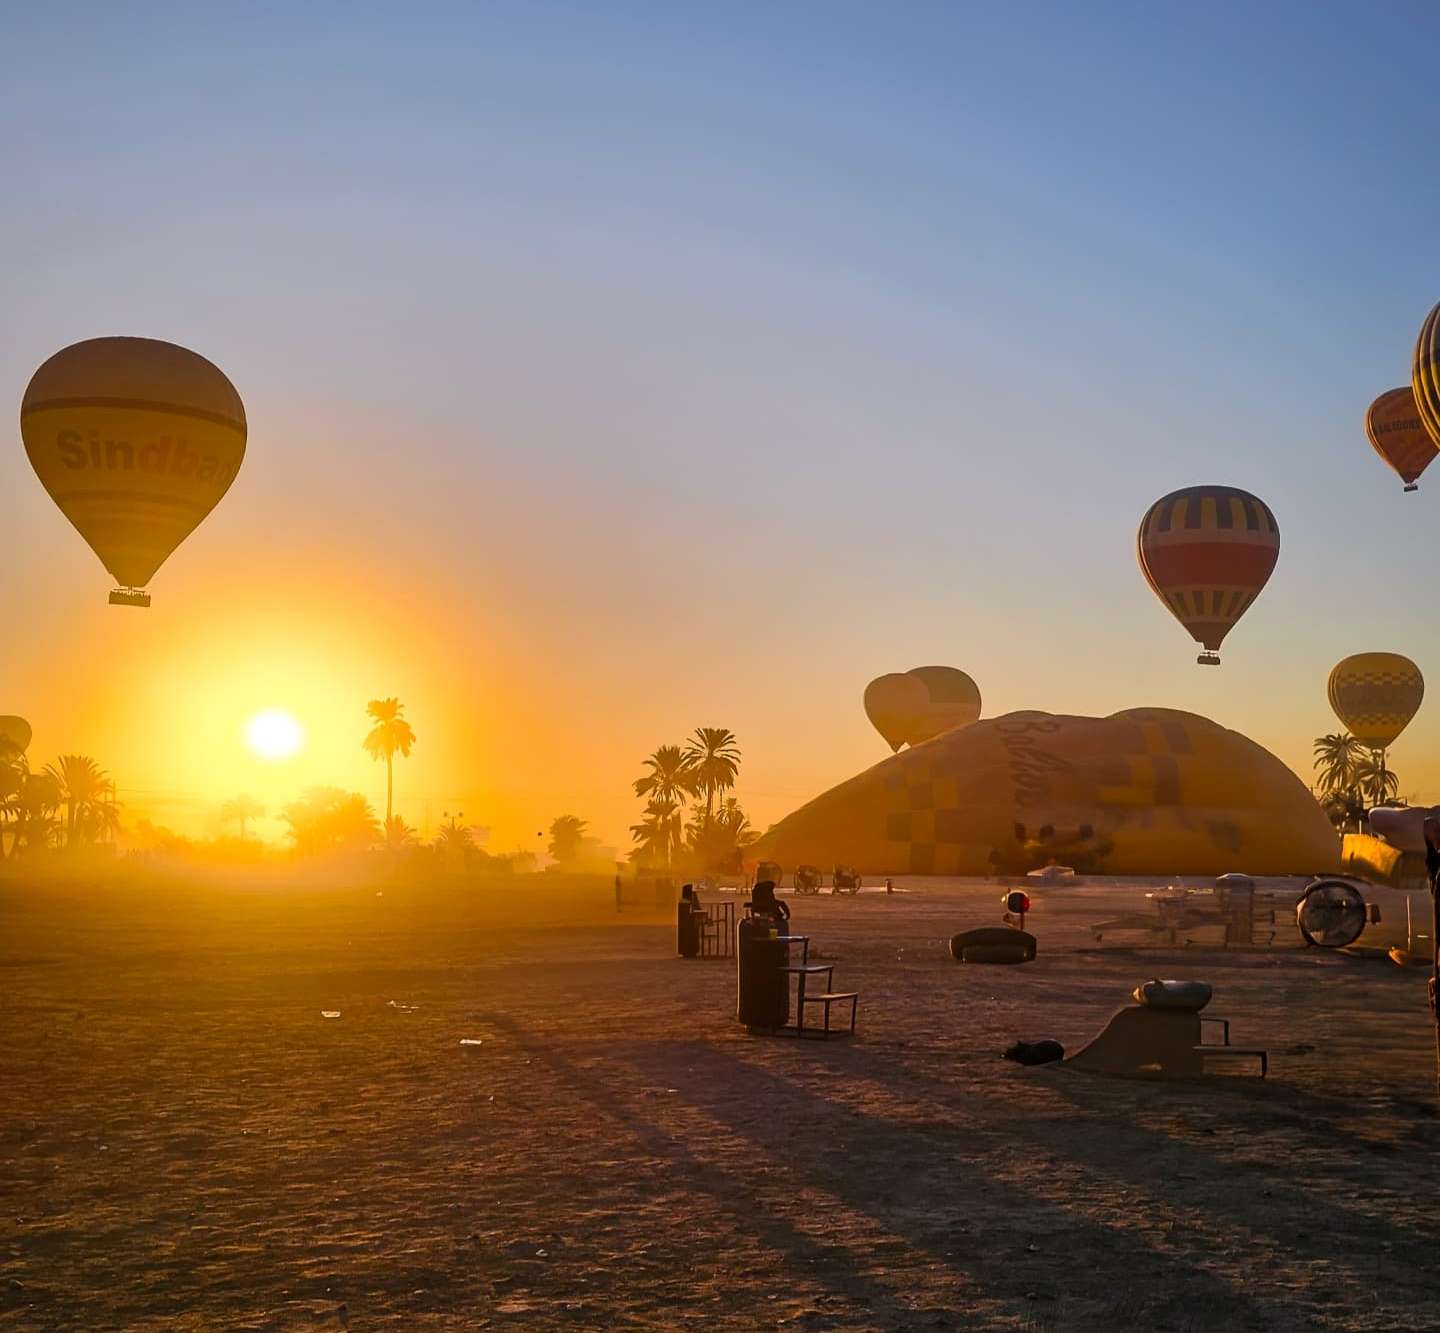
(274, 734)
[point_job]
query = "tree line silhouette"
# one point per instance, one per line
(68, 805)
(1352, 779)
(690, 821)
(691, 818)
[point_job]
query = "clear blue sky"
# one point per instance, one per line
(755, 350)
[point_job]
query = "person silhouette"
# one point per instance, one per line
(763, 902)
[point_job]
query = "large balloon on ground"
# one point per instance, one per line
(952, 700)
(1150, 791)
(1425, 375)
(1207, 551)
(1375, 695)
(136, 442)
(1396, 433)
(14, 735)
(895, 704)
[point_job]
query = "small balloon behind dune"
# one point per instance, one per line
(907, 707)
(895, 705)
(952, 700)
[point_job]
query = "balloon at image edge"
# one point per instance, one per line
(14, 734)
(1375, 695)
(1207, 552)
(136, 441)
(1396, 432)
(916, 705)
(1425, 375)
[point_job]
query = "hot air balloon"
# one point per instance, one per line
(953, 701)
(1395, 430)
(1375, 695)
(895, 705)
(14, 735)
(1425, 375)
(136, 441)
(1207, 551)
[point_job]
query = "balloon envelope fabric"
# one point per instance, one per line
(1375, 695)
(1207, 551)
(1143, 792)
(136, 441)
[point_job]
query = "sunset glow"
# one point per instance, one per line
(274, 734)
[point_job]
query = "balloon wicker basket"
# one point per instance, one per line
(1411, 487)
(129, 597)
(1205, 659)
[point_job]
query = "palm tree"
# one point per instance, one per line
(670, 779)
(1376, 783)
(1337, 756)
(81, 782)
(241, 811)
(399, 834)
(454, 841)
(391, 735)
(329, 819)
(12, 784)
(659, 833)
(719, 841)
(99, 820)
(713, 758)
(39, 798)
(567, 836)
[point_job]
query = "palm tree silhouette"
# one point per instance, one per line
(241, 811)
(670, 779)
(1375, 781)
(14, 774)
(391, 735)
(1338, 756)
(399, 834)
(567, 836)
(36, 804)
(330, 819)
(713, 758)
(82, 784)
(659, 833)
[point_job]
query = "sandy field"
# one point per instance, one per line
(188, 1144)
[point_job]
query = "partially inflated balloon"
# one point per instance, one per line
(1207, 551)
(136, 441)
(953, 701)
(1397, 434)
(1375, 695)
(14, 735)
(1425, 374)
(896, 705)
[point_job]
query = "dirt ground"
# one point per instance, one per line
(188, 1144)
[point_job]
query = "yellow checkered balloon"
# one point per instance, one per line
(1375, 695)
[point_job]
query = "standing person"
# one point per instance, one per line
(763, 902)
